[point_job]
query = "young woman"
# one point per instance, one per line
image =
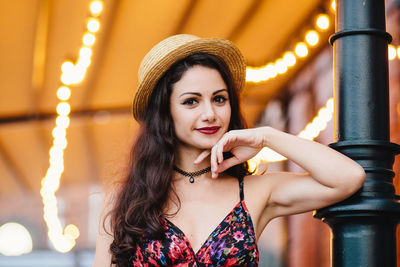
(188, 198)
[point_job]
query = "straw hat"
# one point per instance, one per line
(160, 58)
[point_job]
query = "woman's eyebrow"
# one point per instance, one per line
(190, 93)
(220, 90)
(198, 94)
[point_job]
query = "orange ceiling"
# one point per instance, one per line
(38, 35)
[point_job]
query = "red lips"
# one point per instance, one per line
(209, 130)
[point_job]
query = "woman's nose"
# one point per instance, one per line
(208, 112)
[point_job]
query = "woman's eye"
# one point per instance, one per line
(189, 102)
(220, 99)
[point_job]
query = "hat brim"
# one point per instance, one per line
(224, 49)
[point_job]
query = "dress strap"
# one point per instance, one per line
(241, 188)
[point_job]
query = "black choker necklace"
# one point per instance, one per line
(192, 174)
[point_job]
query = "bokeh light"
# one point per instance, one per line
(312, 37)
(15, 239)
(301, 49)
(391, 52)
(289, 58)
(96, 7)
(322, 22)
(93, 25)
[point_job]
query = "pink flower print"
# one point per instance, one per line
(152, 261)
(228, 219)
(174, 251)
(223, 233)
(139, 258)
(230, 262)
(234, 251)
(154, 247)
(238, 236)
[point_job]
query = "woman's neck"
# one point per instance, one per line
(185, 157)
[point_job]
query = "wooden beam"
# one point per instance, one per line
(40, 52)
(16, 174)
(245, 19)
(185, 18)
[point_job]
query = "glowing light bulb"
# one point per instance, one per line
(59, 132)
(312, 37)
(63, 108)
(72, 231)
(333, 5)
(391, 52)
(67, 66)
(67, 78)
(289, 58)
(83, 62)
(96, 7)
(15, 239)
(323, 22)
(63, 93)
(93, 25)
(325, 114)
(56, 152)
(301, 49)
(85, 52)
(60, 143)
(280, 66)
(271, 70)
(88, 39)
(63, 121)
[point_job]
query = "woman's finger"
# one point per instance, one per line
(220, 151)
(202, 156)
(214, 163)
(226, 164)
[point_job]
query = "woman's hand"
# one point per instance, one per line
(243, 144)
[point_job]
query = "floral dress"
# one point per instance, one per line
(232, 243)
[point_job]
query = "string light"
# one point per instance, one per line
(63, 108)
(391, 52)
(93, 25)
(63, 93)
(301, 49)
(322, 22)
(88, 39)
(282, 64)
(96, 7)
(64, 240)
(271, 70)
(67, 66)
(310, 132)
(312, 38)
(289, 58)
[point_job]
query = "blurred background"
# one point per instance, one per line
(68, 73)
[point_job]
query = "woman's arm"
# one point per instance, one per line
(331, 176)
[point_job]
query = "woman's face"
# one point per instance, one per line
(200, 107)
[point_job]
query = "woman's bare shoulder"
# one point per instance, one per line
(258, 189)
(257, 182)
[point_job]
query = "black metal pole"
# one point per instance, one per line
(363, 226)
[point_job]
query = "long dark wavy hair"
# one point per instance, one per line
(142, 195)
